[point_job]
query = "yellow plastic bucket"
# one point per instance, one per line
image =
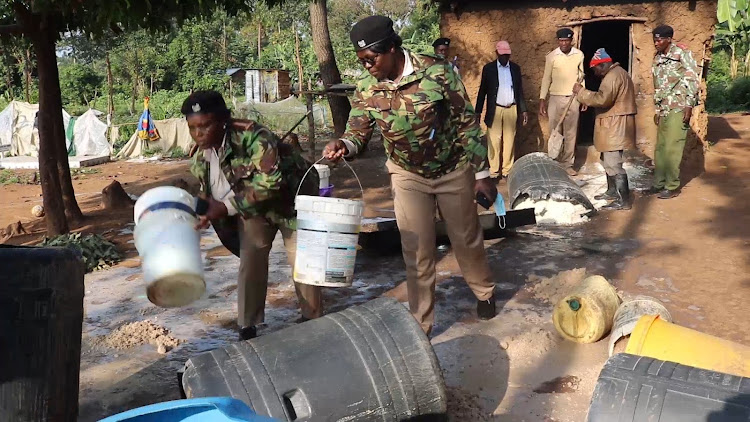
(659, 339)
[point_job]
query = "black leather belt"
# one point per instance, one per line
(508, 106)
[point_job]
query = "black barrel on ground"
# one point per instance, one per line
(368, 363)
(539, 177)
(636, 388)
(41, 312)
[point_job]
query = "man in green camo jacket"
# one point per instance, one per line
(248, 180)
(436, 153)
(675, 94)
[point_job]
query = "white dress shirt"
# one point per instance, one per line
(505, 96)
(221, 190)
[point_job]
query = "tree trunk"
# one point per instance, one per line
(9, 81)
(132, 98)
(72, 210)
(329, 72)
(50, 124)
(733, 63)
(301, 76)
(110, 99)
(27, 75)
(260, 27)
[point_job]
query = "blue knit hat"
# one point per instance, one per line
(600, 56)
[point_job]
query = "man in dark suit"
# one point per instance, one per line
(501, 86)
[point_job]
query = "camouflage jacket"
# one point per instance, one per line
(428, 123)
(675, 80)
(264, 173)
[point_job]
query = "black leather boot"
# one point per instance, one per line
(247, 333)
(486, 308)
(611, 192)
(623, 194)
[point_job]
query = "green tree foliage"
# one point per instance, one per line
(169, 60)
(729, 74)
(79, 83)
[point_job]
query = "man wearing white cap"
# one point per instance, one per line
(501, 86)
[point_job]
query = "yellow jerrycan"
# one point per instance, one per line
(586, 314)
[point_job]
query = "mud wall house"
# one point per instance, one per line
(622, 27)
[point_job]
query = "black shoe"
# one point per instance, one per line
(622, 201)
(247, 333)
(669, 194)
(486, 308)
(652, 191)
(611, 192)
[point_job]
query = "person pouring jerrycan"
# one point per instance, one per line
(437, 157)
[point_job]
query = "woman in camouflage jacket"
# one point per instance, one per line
(248, 180)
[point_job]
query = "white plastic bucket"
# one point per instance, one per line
(169, 246)
(327, 237)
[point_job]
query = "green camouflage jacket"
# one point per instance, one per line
(675, 80)
(264, 174)
(428, 123)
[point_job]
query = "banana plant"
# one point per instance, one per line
(735, 13)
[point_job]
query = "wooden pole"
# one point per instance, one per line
(311, 125)
(301, 76)
(259, 37)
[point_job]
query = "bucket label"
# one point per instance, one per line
(325, 257)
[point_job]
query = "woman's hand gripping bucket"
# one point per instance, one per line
(327, 237)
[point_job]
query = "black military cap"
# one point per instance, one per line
(442, 41)
(204, 102)
(565, 33)
(663, 31)
(370, 31)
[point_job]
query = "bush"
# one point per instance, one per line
(739, 93)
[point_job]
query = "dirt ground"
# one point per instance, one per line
(690, 252)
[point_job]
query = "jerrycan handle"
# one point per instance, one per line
(321, 159)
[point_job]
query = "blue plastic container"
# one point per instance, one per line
(207, 409)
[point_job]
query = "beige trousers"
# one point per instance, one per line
(255, 245)
(415, 198)
(569, 129)
(502, 136)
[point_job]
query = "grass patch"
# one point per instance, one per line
(9, 177)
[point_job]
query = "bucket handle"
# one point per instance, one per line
(321, 159)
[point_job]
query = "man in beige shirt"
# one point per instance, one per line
(562, 69)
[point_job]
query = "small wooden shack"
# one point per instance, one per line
(261, 85)
(623, 27)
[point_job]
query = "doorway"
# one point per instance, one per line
(615, 37)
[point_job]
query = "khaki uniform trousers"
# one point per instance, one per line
(502, 136)
(257, 235)
(555, 108)
(415, 198)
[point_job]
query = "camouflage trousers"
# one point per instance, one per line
(415, 199)
(670, 143)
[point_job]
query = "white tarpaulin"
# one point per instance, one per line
(18, 134)
(174, 133)
(90, 135)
